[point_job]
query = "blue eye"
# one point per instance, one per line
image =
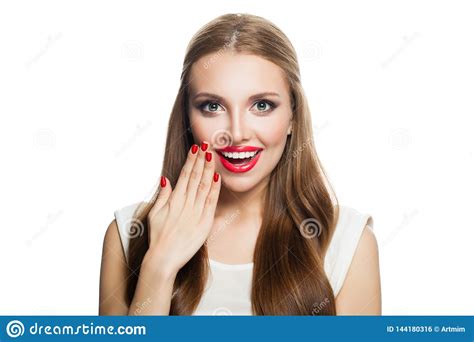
(270, 105)
(263, 106)
(213, 106)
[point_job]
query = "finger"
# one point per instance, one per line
(206, 181)
(211, 200)
(162, 198)
(183, 179)
(196, 174)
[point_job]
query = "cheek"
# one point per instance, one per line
(272, 132)
(204, 128)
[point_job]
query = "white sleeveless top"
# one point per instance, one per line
(229, 286)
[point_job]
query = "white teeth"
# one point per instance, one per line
(237, 155)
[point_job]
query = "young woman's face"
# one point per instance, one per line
(240, 100)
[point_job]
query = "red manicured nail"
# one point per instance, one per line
(204, 146)
(194, 148)
(163, 182)
(216, 177)
(208, 156)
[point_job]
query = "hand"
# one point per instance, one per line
(181, 219)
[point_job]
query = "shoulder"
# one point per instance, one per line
(361, 292)
(345, 240)
(367, 245)
(113, 271)
(114, 264)
(111, 235)
(127, 226)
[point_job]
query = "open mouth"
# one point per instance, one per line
(238, 162)
(239, 158)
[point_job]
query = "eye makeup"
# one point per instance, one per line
(203, 106)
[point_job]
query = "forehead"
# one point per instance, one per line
(233, 75)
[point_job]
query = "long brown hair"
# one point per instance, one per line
(300, 209)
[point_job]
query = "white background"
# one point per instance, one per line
(86, 89)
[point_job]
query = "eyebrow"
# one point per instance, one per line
(220, 98)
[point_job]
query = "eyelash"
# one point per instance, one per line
(271, 104)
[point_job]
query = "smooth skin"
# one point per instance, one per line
(360, 293)
(240, 202)
(180, 222)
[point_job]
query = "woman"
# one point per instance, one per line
(243, 222)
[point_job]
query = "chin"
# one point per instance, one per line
(239, 182)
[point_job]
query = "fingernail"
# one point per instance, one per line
(204, 146)
(216, 177)
(194, 148)
(163, 182)
(208, 156)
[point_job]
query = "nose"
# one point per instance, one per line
(239, 127)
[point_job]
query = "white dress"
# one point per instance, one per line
(228, 289)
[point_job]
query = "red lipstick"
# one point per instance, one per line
(231, 157)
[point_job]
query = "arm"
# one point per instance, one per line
(113, 275)
(153, 292)
(361, 292)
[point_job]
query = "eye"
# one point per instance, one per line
(264, 106)
(209, 106)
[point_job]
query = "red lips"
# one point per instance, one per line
(239, 149)
(239, 168)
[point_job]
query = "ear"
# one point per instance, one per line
(290, 128)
